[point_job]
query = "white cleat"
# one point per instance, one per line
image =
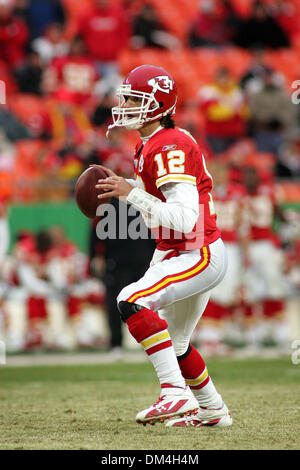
(173, 402)
(217, 417)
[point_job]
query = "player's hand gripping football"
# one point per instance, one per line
(113, 185)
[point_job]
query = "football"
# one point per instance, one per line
(86, 193)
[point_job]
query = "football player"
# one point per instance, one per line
(219, 318)
(264, 284)
(172, 192)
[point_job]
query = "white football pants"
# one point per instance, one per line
(178, 288)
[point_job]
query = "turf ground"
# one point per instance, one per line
(94, 407)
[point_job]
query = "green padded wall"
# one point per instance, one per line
(40, 216)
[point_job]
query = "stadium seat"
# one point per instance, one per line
(238, 60)
(7, 186)
(286, 62)
(242, 7)
(27, 156)
(288, 192)
(27, 168)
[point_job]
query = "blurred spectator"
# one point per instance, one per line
(214, 26)
(67, 119)
(148, 31)
(116, 154)
(4, 246)
(253, 78)
(292, 272)
(12, 127)
(4, 231)
(40, 288)
(261, 29)
(51, 301)
(52, 44)
(7, 155)
(13, 35)
(229, 200)
(272, 115)
(288, 164)
(29, 74)
(75, 73)
(105, 31)
(82, 291)
(264, 285)
(39, 14)
(225, 111)
(102, 112)
(285, 14)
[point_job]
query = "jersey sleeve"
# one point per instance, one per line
(174, 164)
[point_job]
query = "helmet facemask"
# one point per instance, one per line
(134, 117)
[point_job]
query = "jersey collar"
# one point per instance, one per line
(148, 137)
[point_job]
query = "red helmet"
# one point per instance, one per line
(158, 93)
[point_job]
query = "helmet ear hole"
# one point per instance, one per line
(161, 104)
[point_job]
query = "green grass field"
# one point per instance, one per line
(94, 407)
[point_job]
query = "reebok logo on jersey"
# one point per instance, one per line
(169, 147)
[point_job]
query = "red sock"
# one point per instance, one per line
(194, 370)
(151, 332)
(149, 329)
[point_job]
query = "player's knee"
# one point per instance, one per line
(182, 356)
(180, 346)
(127, 309)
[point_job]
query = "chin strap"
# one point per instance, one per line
(110, 127)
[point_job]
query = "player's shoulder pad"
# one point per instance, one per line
(172, 139)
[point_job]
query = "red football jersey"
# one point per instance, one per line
(229, 202)
(260, 208)
(173, 156)
(77, 74)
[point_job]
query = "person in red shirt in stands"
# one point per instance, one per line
(68, 122)
(214, 25)
(13, 35)
(105, 31)
(225, 111)
(74, 72)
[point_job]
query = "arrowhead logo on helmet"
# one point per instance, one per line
(162, 83)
